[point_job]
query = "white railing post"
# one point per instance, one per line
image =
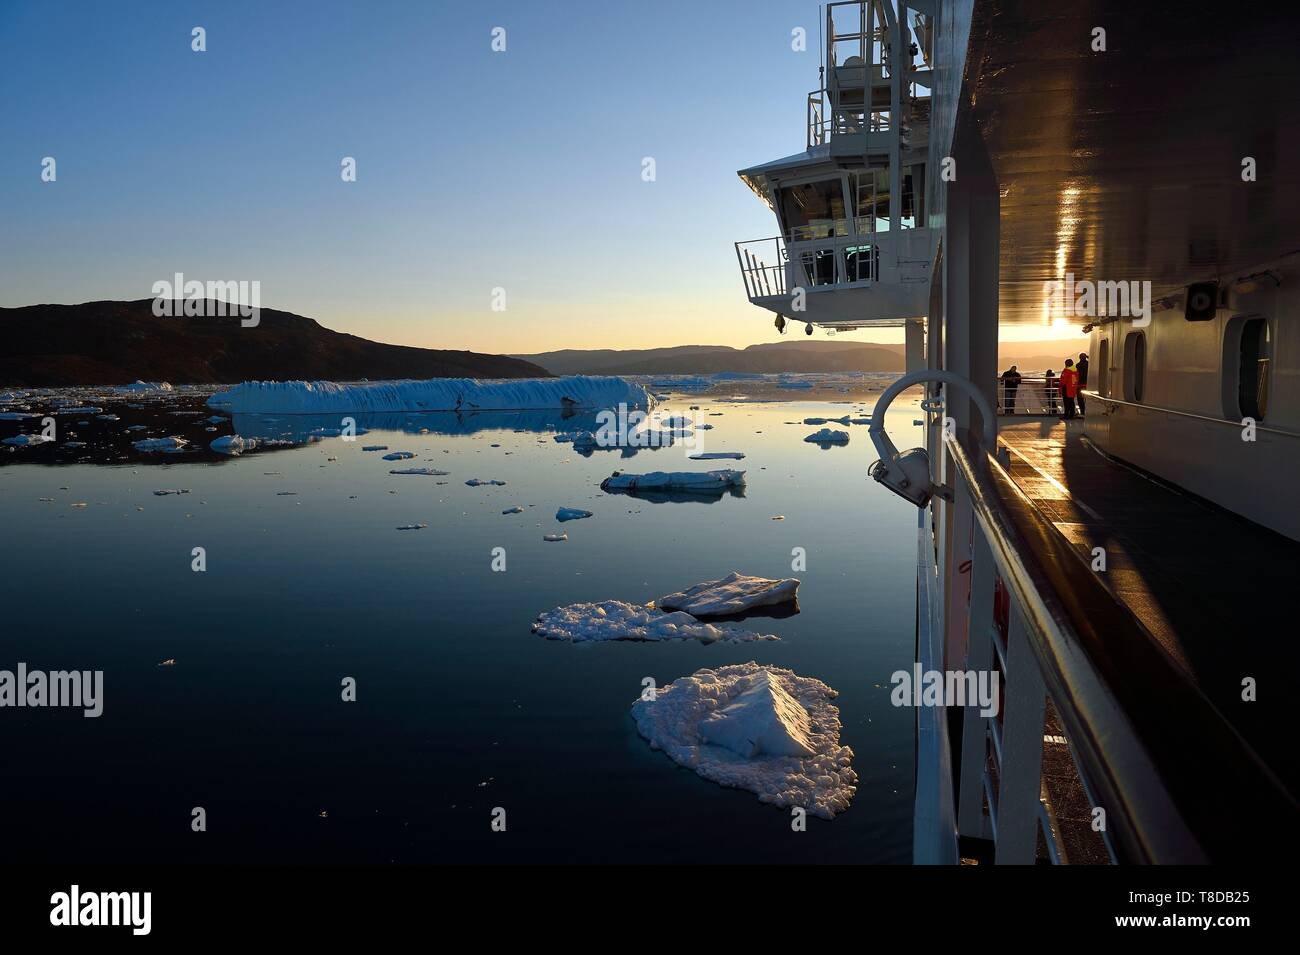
(971, 820)
(1021, 775)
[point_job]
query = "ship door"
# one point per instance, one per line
(1103, 368)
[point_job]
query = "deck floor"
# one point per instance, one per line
(1217, 592)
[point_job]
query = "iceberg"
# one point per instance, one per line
(762, 718)
(695, 482)
(760, 728)
(828, 436)
(571, 514)
(619, 620)
(734, 593)
(435, 394)
(137, 386)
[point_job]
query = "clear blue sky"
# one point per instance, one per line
(475, 169)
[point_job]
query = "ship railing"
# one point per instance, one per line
(1036, 395)
(818, 124)
(763, 266)
(1140, 734)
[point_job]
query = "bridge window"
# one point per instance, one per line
(814, 210)
(1135, 366)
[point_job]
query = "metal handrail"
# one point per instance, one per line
(1161, 806)
(1259, 428)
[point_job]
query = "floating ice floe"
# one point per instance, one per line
(734, 593)
(695, 482)
(571, 514)
(759, 728)
(215, 419)
(479, 482)
(844, 420)
(436, 394)
(147, 386)
(233, 444)
(828, 436)
(399, 455)
(172, 443)
(171, 490)
(25, 440)
(16, 415)
(554, 538)
(513, 510)
(375, 447)
(88, 409)
(430, 472)
(411, 527)
(718, 455)
(619, 620)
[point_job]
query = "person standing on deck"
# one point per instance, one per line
(1049, 391)
(1069, 388)
(1083, 378)
(1010, 382)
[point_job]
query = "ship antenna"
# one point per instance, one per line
(821, 48)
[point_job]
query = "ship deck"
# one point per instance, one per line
(1170, 557)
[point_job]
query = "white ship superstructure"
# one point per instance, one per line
(1131, 171)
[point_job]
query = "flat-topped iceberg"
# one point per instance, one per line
(693, 482)
(435, 394)
(828, 436)
(619, 620)
(760, 728)
(734, 593)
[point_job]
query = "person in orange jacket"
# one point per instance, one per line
(1069, 387)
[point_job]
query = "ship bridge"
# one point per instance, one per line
(853, 247)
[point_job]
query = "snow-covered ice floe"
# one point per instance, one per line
(828, 436)
(760, 728)
(571, 514)
(718, 455)
(172, 443)
(734, 593)
(619, 620)
(435, 394)
(695, 482)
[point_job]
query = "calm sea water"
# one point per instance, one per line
(459, 707)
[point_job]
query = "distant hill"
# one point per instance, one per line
(775, 358)
(116, 343)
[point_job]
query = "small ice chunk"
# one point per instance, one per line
(171, 490)
(25, 440)
(172, 443)
(734, 593)
(432, 472)
(513, 510)
(555, 538)
(411, 527)
(375, 447)
(479, 482)
(399, 455)
(233, 444)
(718, 455)
(844, 420)
(571, 514)
(828, 436)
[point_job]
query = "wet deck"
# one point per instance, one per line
(1217, 592)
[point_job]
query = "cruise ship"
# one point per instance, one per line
(1129, 170)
